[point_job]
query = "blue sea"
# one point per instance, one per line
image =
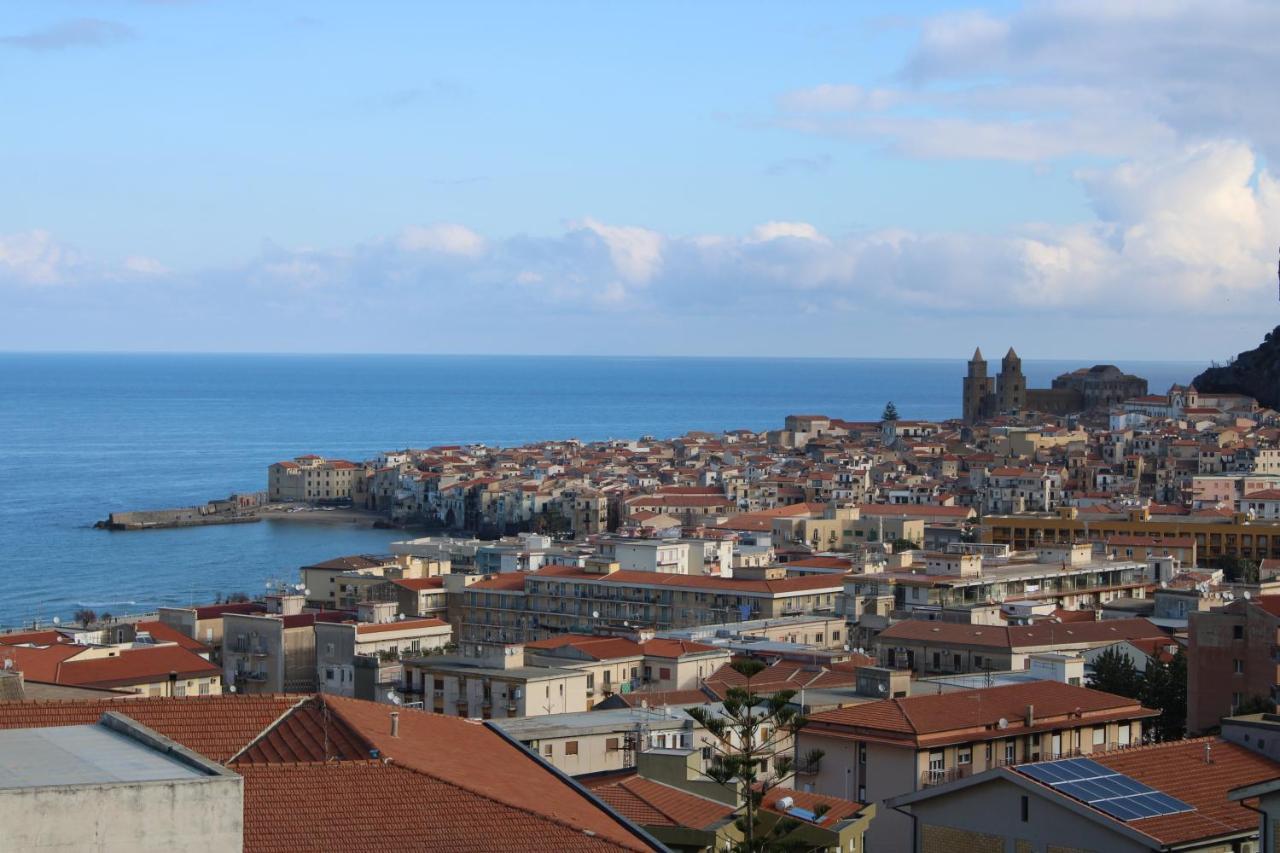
(85, 435)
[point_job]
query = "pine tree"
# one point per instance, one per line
(1114, 672)
(747, 735)
(890, 412)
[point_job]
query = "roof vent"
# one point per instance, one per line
(395, 724)
(1208, 753)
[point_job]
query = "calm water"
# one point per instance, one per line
(85, 435)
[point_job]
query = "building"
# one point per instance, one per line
(341, 646)
(936, 646)
(594, 742)
(1214, 535)
(113, 784)
(273, 652)
(880, 750)
(523, 607)
(1232, 659)
(1097, 387)
(325, 772)
(639, 661)
(488, 681)
(145, 668)
(313, 479)
(1180, 795)
(204, 624)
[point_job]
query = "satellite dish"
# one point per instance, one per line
(1002, 724)
(57, 620)
(401, 617)
(392, 697)
(306, 592)
(299, 587)
(644, 703)
(595, 614)
(882, 688)
(1247, 595)
(232, 688)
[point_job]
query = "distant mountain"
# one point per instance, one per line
(1256, 373)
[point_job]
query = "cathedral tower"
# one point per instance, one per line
(1011, 385)
(977, 388)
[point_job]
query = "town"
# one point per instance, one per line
(1054, 620)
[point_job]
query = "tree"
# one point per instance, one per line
(748, 732)
(904, 545)
(1164, 688)
(86, 617)
(1238, 569)
(105, 617)
(1255, 705)
(237, 598)
(890, 412)
(1114, 672)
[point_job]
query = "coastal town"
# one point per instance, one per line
(1053, 617)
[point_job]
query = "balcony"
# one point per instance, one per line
(929, 778)
(251, 676)
(251, 649)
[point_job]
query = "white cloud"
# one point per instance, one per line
(35, 258)
(636, 252)
(445, 238)
(798, 230)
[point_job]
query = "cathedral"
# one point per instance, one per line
(1096, 387)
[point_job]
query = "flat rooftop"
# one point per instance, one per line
(83, 755)
(593, 722)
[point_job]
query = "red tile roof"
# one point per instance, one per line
(162, 633)
(217, 727)
(969, 715)
(1178, 768)
(651, 803)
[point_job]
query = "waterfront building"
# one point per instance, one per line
(313, 479)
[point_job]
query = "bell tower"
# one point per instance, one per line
(1011, 385)
(977, 387)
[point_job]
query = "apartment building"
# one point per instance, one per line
(621, 664)
(1233, 656)
(1214, 535)
(879, 750)
(561, 599)
(146, 669)
(927, 646)
(603, 741)
(1068, 577)
(274, 652)
(312, 479)
(204, 624)
(340, 646)
(492, 681)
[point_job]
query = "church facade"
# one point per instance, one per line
(1100, 386)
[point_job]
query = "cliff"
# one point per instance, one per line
(1255, 372)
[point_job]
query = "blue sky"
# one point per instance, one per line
(1078, 179)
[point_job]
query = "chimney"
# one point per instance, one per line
(1208, 753)
(1031, 715)
(395, 724)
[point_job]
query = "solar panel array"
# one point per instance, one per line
(1104, 789)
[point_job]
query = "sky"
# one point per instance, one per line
(1076, 179)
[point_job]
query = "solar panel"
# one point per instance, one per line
(1103, 788)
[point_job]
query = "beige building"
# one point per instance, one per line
(528, 606)
(626, 663)
(879, 750)
(204, 624)
(847, 529)
(312, 479)
(492, 682)
(603, 741)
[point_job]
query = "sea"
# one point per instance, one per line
(83, 435)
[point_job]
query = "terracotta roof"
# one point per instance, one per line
(402, 625)
(308, 733)
(658, 698)
(782, 675)
(651, 803)
(1178, 769)
(352, 563)
(162, 633)
(57, 665)
(968, 715)
(419, 584)
(217, 727)
(1020, 636)
(837, 808)
(212, 611)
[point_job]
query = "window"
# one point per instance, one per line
(937, 761)
(1099, 735)
(547, 750)
(1010, 752)
(1238, 665)
(1237, 632)
(571, 747)
(611, 744)
(328, 673)
(204, 688)
(1026, 808)
(862, 753)
(964, 755)
(664, 673)
(1236, 699)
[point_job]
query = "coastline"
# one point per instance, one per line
(321, 515)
